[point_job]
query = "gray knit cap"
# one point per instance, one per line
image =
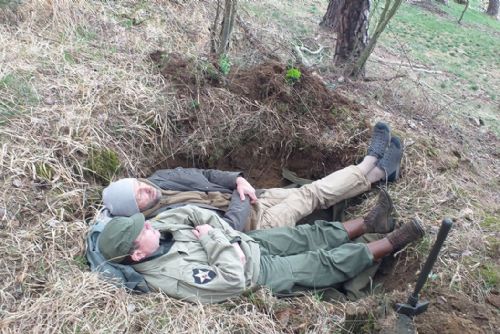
(119, 198)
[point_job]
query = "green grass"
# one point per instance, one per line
(16, 94)
(9, 3)
(469, 50)
(491, 276)
(295, 19)
(491, 223)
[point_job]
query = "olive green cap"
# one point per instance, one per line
(117, 237)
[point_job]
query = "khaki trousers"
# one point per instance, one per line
(280, 207)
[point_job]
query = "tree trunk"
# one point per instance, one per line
(388, 12)
(220, 43)
(444, 2)
(227, 26)
(493, 8)
(352, 33)
(332, 16)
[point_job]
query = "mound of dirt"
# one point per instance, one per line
(267, 84)
(255, 118)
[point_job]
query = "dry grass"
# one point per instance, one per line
(76, 75)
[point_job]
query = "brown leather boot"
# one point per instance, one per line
(407, 233)
(378, 220)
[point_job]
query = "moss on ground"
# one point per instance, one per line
(102, 163)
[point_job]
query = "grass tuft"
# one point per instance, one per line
(103, 163)
(17, 95)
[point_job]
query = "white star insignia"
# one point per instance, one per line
(202, 275)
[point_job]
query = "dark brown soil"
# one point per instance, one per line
(397, 274)
(299, 112)
(266, 83)
(457, 314)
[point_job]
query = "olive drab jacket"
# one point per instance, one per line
(207, 270)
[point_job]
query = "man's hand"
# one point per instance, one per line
(244, 188)
(201, 230)
(241, 255)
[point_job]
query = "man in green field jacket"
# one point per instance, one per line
(236, 201)
(190, 253)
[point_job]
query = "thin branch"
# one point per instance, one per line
(463, 12)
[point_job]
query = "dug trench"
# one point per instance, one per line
(335, 136)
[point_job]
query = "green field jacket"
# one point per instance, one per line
(206, 270)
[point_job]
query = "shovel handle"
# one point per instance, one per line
(441, 237)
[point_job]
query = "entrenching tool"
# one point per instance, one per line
(413, 307)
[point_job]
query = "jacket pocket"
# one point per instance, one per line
(181, 248)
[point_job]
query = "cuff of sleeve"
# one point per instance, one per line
(235, 240)
(235, 176)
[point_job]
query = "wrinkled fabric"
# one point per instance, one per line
(280, 207)
(208, 269)
(313, 256)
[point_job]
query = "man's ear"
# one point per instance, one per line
(137, 255)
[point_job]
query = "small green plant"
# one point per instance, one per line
(424, 246)
(81, 262)
(224, 64)
(68, 57)
(293, 75)
(318, 296)
(491, 276)
(102, 163)
(194, 104)
(44, 171)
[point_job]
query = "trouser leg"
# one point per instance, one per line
(314, 269)
(360, 285)
(284, 207)
(284, 241)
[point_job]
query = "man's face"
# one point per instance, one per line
(146, 243)
(146, 196)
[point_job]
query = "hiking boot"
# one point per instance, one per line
(407, 233)
(380, 140)
(378, 220)
(391, 161)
